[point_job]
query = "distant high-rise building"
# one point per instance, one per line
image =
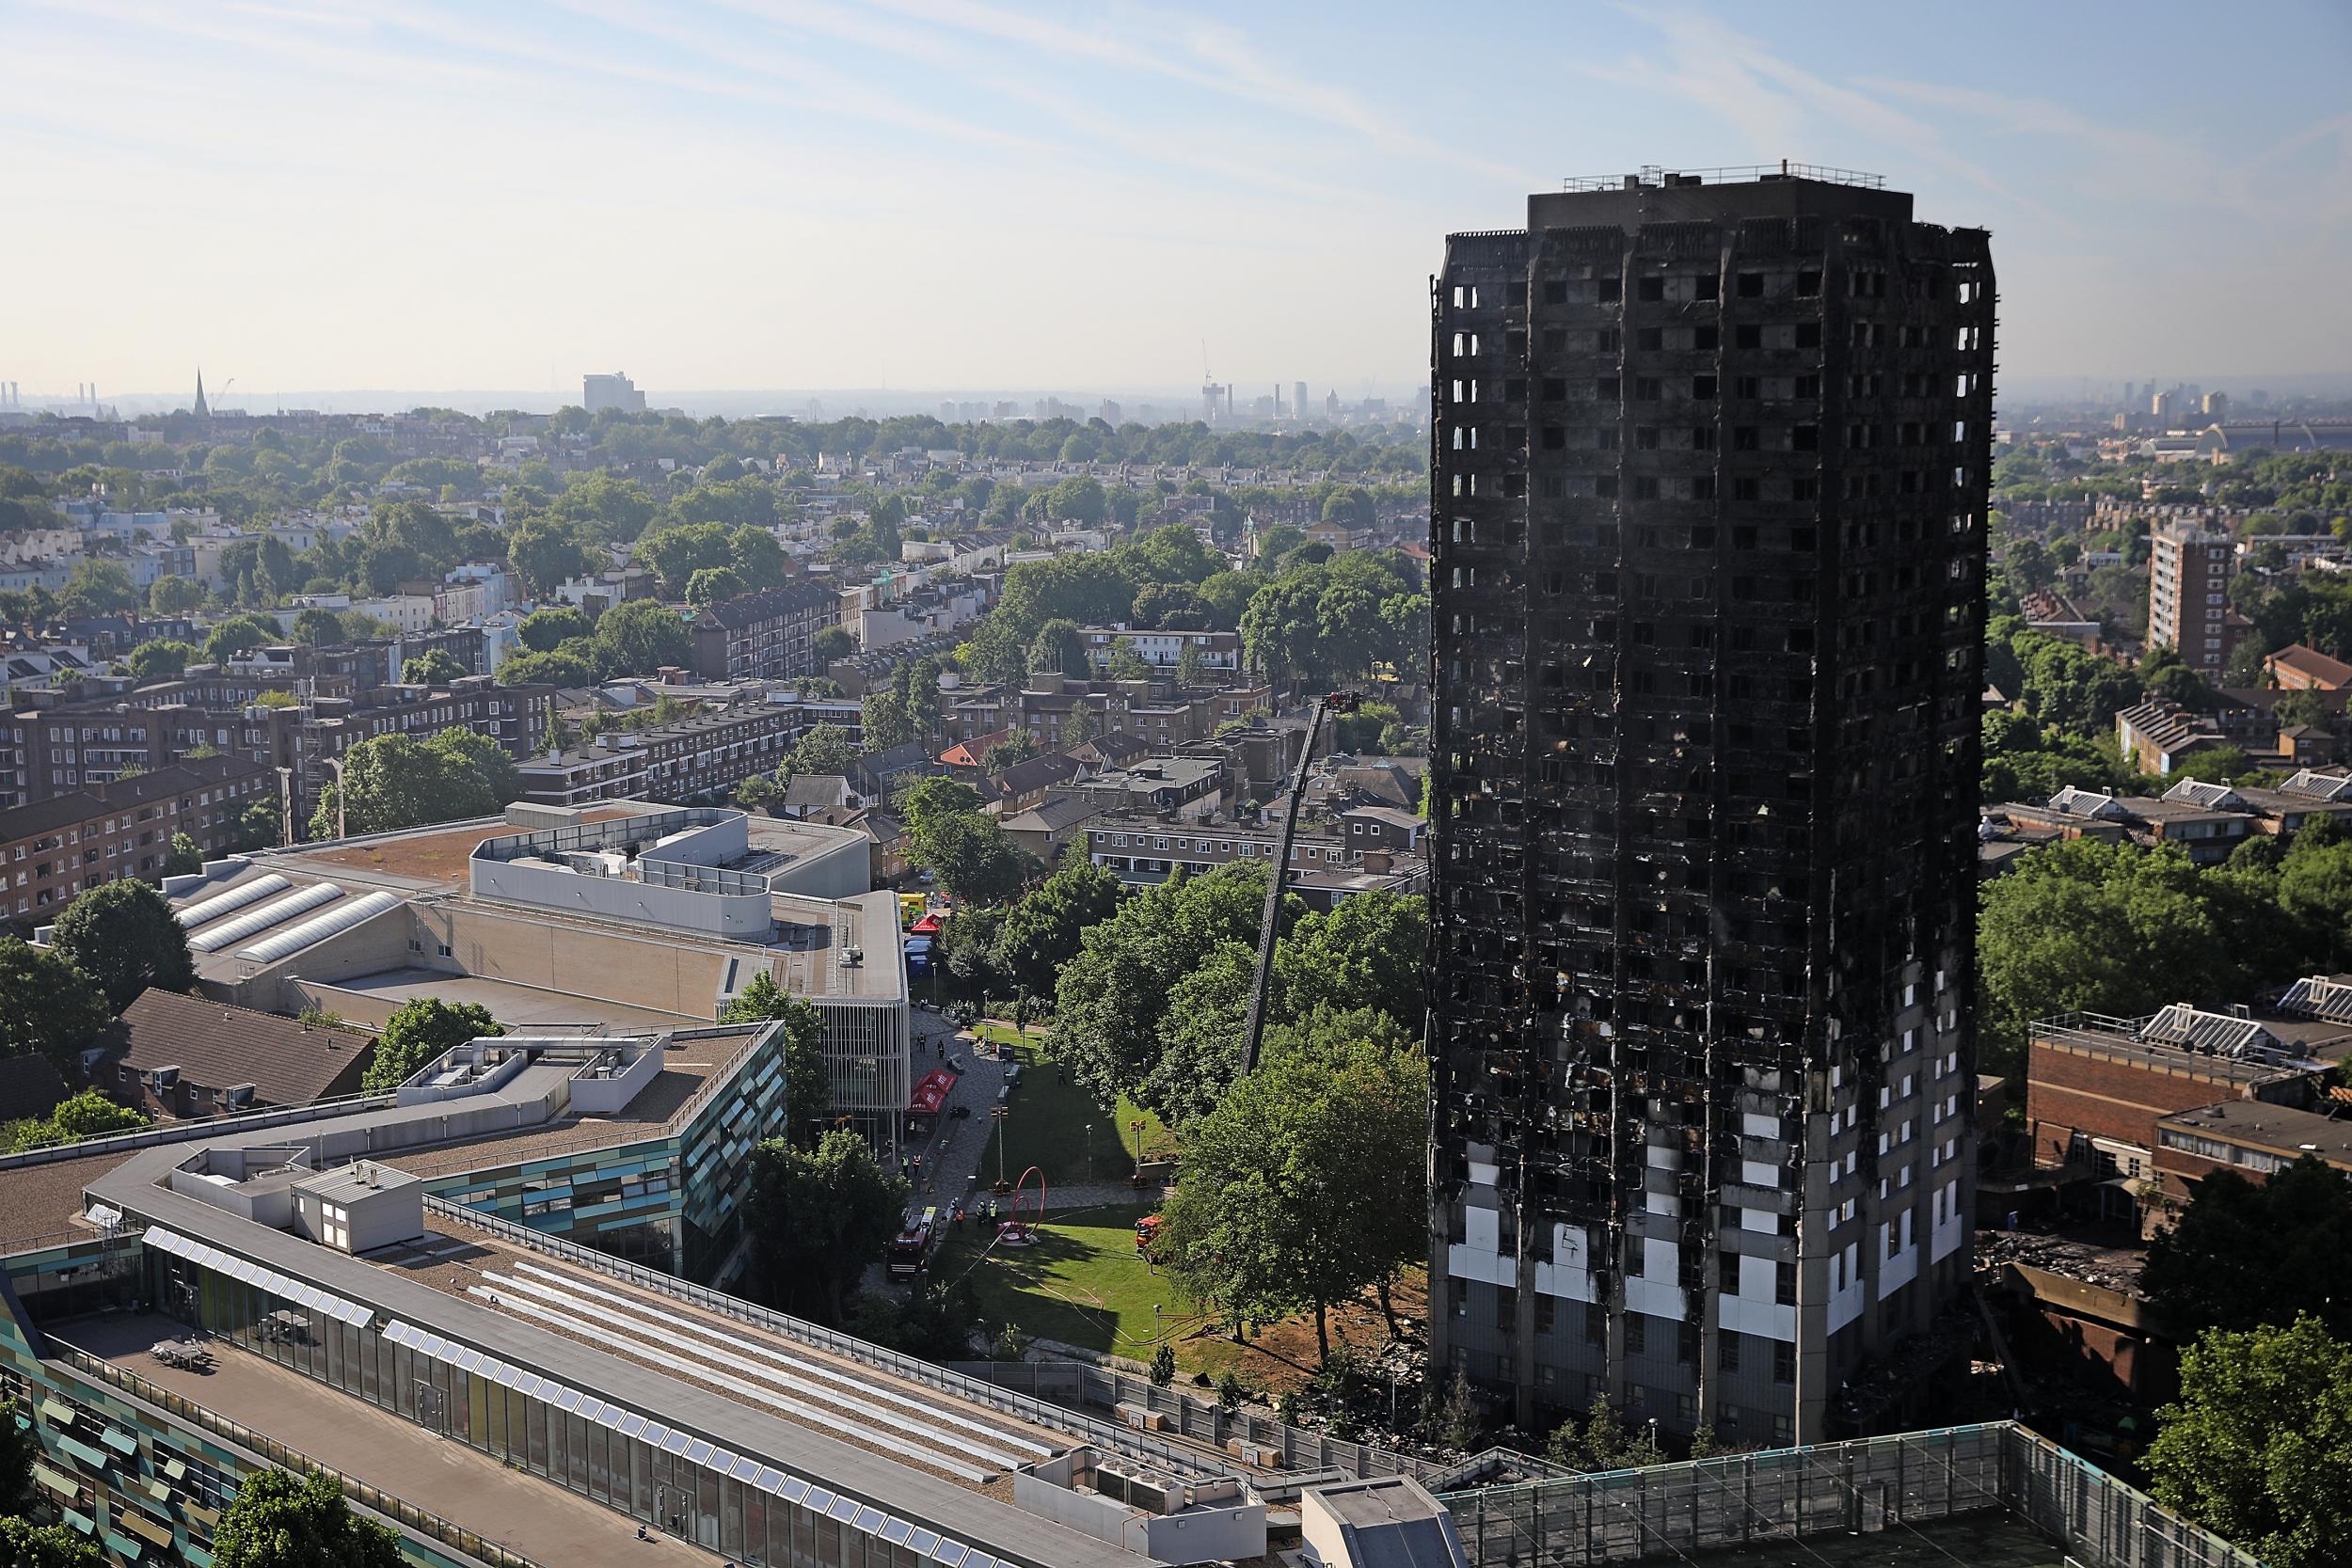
(599, 392)
(1708, 527)
(2188, 595)
(2217, 405)
(1111, 413)
(2160, 407)
(1298, 400)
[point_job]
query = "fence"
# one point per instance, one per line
(1053, 1395)
(1082, 1383)
(268, 1450)
(1868, 1485)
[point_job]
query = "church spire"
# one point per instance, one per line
(200, 410)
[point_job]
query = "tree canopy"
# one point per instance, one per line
(392, 781)
(1152, 1002)
(2248, 1253)
(281, 1520)
(807, 1082)
(2258, 1444)
(819, 1219)
(1305, 1185)
(419, 1030)
(124, 937)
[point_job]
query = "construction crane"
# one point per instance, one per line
(1278, 883)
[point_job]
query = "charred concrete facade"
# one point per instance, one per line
(1707, 519)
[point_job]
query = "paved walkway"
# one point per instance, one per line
(951, 1161)
(542, 1521)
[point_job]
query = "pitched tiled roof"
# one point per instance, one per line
(140, 789)
(746, 609)
(2313, 665)
(216, 1046)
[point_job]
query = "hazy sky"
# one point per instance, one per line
(962, 193)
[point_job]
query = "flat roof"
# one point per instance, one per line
(421, 859)
(530, 1516)
(686, 1065)
(511, 1003)
(656, 1332)
(2280, 1130)
(682, 1402)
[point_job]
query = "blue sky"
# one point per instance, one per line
(977, 194)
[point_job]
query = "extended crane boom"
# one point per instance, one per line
(1278, 883)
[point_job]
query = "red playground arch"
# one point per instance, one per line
(1025, 1212)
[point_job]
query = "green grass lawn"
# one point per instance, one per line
(1049, 1128)
(1081, 1283)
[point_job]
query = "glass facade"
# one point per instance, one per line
(673, 1481)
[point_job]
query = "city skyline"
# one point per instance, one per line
(559, 188)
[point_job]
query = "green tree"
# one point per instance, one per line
(174, 596)
(433, 667)
(1223, 598)
(714, 585)
(1365, 951)
(2245, 1253)
(1059, 647)
(420, 1031)
(1125, 663)
(19, 1445)
(832, 643)
(639, 636)
(98, 588)
(1269, 1218)
(1041, 932)
(317, 627)
(545, 553)
(261, 826)
(2257, 1445)
(818, 1219)
(2300, 708)
(756, 557)
(163, 658)
(2105, 928)
(824, 749)
(1010, 752)
(807, 1084)
(951, 836)
(543, 630)
(1082, 726)
(882, 719)
(26, 1544)
(1190, 669)
(185, 856)
(241, 635)
(47, 1006)
(125, 937)
(1155, 602)
(392, 781)
(1114, 999)
(280, 1520)
(681, 550)
(1164, 1366)
(614, 508)
(2215, 765)
(91, 1115)
(1601, 1442)
(560, 666)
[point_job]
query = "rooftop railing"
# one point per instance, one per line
(1653, 176)
(269, 1450)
